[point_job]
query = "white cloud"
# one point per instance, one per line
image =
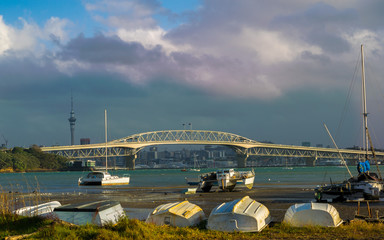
(5, 41)
(273, 47)
(56, 26)
(31, 38)
(150, 38)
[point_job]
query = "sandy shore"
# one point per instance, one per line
(140, 201)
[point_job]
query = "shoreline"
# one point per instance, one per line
(139, 202)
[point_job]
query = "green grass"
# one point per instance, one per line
(135, 229)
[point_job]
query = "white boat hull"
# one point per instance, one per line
(312, 214)
(103, 179)
(98, 213)
(178, 214)
(244, 215)
(44, 209)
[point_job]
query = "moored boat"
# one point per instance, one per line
(312, 214)
(245, 215)
(98, 213)
(103, 178)
(180, 214)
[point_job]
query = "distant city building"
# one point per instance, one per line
(85, 141)
(306, 144)
(319, 145)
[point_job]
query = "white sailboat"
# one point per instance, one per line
(104, 178)
(195, 164)
(367, 183)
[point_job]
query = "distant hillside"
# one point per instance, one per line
(30, 159)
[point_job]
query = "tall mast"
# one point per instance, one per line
(364, 98)
(106, 139)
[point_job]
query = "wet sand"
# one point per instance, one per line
(140, 201)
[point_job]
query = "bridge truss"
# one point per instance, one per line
(244, 147)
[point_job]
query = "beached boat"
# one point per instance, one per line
(367, 184)
(44, 209)
(226, 179)
(98, 213)
(245, 215)
(104, 178)
(178, 214)
(312, 214)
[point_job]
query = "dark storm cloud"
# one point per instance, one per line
(266, 70)
(320, 24)
(110, 50)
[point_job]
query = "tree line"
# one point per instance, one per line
(30, 159)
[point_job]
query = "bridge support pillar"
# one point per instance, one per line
(242, 160)
(130, 161)
(310, 161)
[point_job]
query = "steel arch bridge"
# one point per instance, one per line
(129, 146)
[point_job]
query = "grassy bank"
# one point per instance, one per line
(37, 228)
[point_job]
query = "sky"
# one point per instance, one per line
(268, 70)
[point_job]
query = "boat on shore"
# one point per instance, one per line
(103, 178)
(44, 209)
(366, 184)
(312, 214)
(98, 213)
(177, 214)
(243, 215)
(226, 179)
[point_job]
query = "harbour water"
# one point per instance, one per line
(66, 182)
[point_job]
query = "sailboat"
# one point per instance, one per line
(104, 178)
(286, 165)
(195, 164)
(366, 183)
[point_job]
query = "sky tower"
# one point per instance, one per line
(72, 121)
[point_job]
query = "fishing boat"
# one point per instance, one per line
(98, 213)
(44, 209)
(104, 178)
(177, 214)
(244, 215)
(312, 214)
(366, 184)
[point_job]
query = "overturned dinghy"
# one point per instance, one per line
(98, 213)
(178, 214)
(245, 215)
(43, 210)
(312, 214)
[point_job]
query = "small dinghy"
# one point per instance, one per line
(42, 210)
(244, 215)
(312, 214)
(98, 213)
(178, 214)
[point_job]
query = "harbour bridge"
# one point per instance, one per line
(128, 147)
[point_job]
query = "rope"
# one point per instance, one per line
(348, 99)
(374, 154)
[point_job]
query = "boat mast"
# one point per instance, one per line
(106, 149)
(364, 98)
